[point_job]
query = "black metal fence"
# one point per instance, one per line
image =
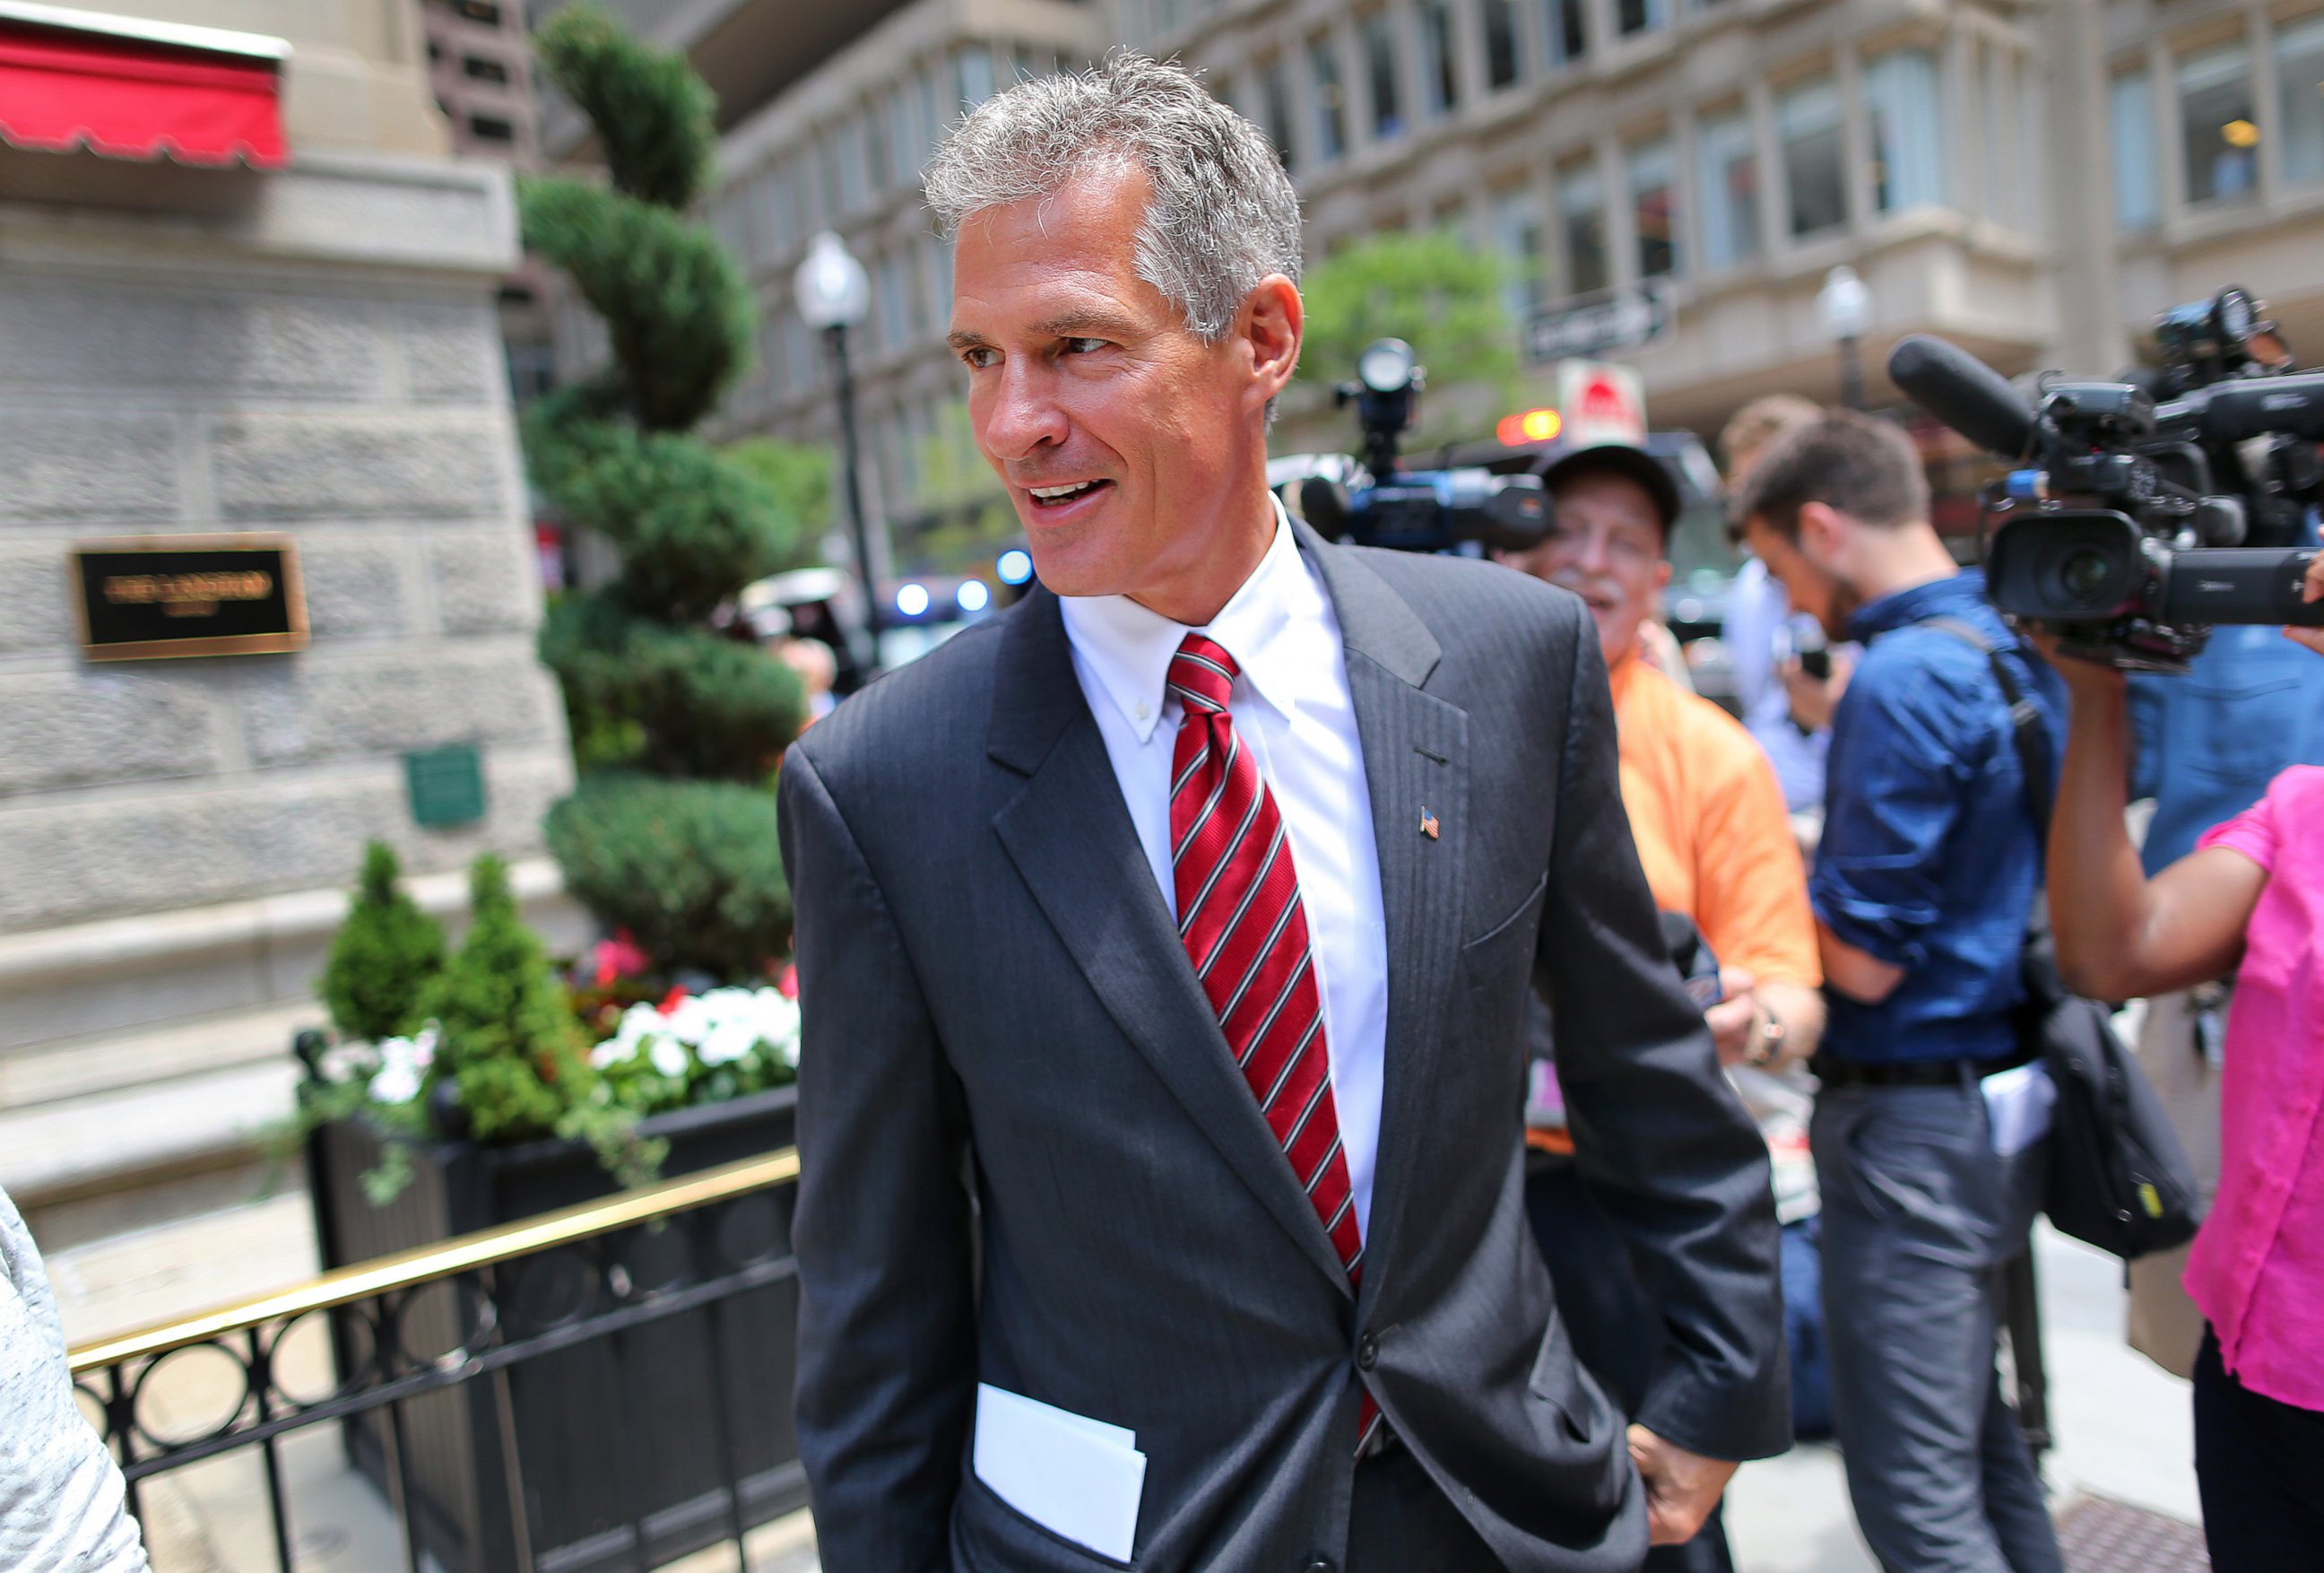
(610, 1303)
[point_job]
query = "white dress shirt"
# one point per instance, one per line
(1291, 709)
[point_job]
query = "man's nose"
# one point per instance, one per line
(1592, 559)
(1022, 416)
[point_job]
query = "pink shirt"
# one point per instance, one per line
(2257, 1270)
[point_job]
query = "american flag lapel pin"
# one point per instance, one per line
(1427, 824)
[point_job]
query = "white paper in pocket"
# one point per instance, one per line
(2017, 1105)
(1072, 1476)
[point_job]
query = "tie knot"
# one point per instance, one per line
(1202, 674)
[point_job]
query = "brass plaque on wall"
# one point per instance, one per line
(187, 594)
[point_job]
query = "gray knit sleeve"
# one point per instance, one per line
(61, 1507)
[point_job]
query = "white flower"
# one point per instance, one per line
(614, 1051)
(692, 1021)
(398, 1081)
(669, 1056)
(728, 1042)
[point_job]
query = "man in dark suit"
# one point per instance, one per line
(1164, 943)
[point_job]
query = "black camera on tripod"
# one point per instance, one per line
(1384, 504)
(2143, 512)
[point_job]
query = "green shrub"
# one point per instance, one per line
(383, 956)
(691, 869)
(505, 1037)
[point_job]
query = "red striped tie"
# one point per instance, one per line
(1246, 932)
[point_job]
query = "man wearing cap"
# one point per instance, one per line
(1707, 815)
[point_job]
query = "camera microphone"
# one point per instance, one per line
(1962, 392)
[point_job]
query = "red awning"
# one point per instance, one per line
(64, 86)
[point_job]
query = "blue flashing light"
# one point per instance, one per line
(912, 600)
(1015, 566)
(973, 595)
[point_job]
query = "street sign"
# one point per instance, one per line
(1621, 320)
(1601, 403)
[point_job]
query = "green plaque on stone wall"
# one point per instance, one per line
(447, 785)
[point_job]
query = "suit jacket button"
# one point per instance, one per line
(1366, 1352)
(1320, 1565)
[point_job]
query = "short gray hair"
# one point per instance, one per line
(1222, 215)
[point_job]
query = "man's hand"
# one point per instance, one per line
(1814, 698)
(1681, 1487)
(2311, 590)
(1734, 1018)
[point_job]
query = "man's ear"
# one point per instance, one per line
(1272, 322)
(1824, 532)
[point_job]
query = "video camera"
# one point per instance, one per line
(2145, 511)
(1385, 504)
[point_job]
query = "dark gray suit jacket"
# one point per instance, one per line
(987, 970)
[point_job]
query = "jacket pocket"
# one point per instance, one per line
(989, 1536)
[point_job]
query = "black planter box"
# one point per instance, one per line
(616, 1436)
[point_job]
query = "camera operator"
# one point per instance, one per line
(1708, 816)
(1924, 881)
(2249, 899)
(2205, 746)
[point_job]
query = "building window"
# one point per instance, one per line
(1815, 176)
(483, 11)
(2002, 136)
(2130, 119)
(1582, 221)
(1729, 184)
(895, 324)
(1379, 76)
(484, 71)
(1516, 230)
(876, 157)
(435, 51)
(2216, 124)
(1275, 98)
(1654, 183)
(2300, 91)
(971, 68)
(1565, 34)
(1640, 15)
(1900, 90)
(903, 137)
(927, 94)
(1330, 114)
(491, 128)
(854, 190)
(1500, 43)
(1439, 67)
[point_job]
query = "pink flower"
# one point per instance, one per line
(619, 957)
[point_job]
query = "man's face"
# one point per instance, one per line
(1606, 547)
(1126, 442)
(1813, 587)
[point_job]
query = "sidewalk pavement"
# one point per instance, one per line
(2121, 1474)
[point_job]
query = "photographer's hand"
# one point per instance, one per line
(2311, 590)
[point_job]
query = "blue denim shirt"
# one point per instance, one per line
(2209, 742)
(1930, 860)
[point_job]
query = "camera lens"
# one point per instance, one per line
(2084, 574)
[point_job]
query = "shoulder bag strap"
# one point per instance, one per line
(2026, 729)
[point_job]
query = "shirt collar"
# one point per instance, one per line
(1128, 647)
(1942, 598)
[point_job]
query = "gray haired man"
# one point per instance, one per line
(1164, 944)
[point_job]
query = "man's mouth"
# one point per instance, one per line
(1059, 496)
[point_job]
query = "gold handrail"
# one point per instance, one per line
(406, 1269)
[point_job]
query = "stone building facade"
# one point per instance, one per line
(311, 351)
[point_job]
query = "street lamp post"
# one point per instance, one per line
(833, 295)
(1845, 306)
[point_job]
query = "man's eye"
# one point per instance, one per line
(1083, 345)
(980, 357)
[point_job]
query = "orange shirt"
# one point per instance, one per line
(1708, 820)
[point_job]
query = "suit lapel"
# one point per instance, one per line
(1069, 833)
(1416, 749)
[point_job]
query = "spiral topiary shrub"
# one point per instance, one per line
(664, 841)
